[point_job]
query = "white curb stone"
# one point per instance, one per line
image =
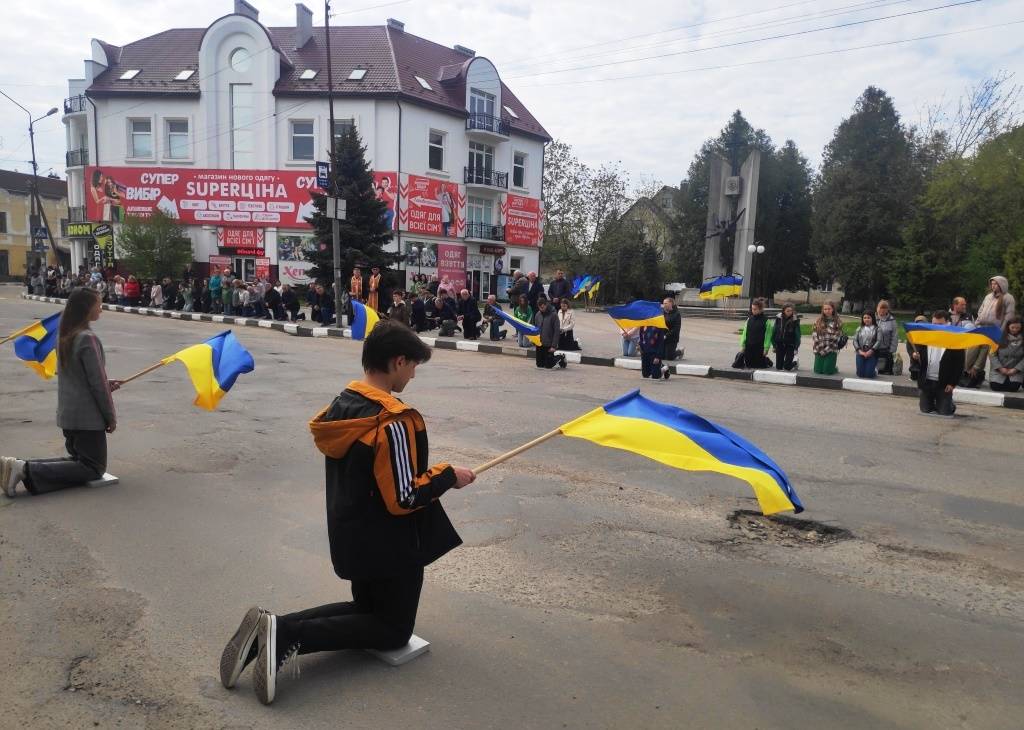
(469, 345)
(701, 371)
(265, 323)
(978, 397)
(627, 363)
(867, 386)
(573, 356)
(429, 341)
(320, 332)
(779, 377)
(291, 329)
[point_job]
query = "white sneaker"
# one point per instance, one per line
(12, 473)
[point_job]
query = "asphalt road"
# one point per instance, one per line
(595, 589)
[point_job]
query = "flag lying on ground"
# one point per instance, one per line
(213, 367)
(364, 319)
(681, 439)
(721, 287)
(952, 337)
(638, 314)
(36, 345)
(531, 332)
(594, 286)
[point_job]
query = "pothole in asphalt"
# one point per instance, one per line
(782, 530)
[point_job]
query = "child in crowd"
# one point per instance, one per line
(826, 339)
(786, 338)
(652, 352)
(865, 342)
(756, 337)
(888, 337)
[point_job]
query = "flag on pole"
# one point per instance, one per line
(721, 287)
(592, 292)
(683, 440)
(364, 319)
(532, 333)
(583, 286)
(214, 366)
(638, 314)
(952, 337)
(36, 345)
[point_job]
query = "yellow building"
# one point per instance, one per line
(16, 226)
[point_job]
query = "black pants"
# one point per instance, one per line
(885, 362)
(650, 365)
(87, 461)
(381, 615)
(546, 358)
(935, 399)
(1007, 386)
(784, 357)
(753, 357)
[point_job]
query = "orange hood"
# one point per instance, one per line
(335, 437)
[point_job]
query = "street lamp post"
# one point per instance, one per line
(756, 266)
(35, 205)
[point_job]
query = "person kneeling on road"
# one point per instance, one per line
(384, 520)
(940, 371)
(547, 322)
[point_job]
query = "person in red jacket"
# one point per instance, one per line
(384, 520)
(132, 291)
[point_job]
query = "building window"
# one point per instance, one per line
(341, 126)
(243, 138)
(3, 223)
(480, 102)
(140, 132)
(519, 169)
(479, 210)
(177, 139)
(515, 263)
(436, 150)
(302, 141)
(481, 159)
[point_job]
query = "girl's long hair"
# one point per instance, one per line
(822, 324)
(74, 319)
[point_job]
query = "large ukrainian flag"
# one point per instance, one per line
(684, 440)
(532, 333)
(721, 287)
(638, 314)
(952, 337)
(364, 319)
(36, 345)
(213, 367)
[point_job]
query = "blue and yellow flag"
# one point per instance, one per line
(952, 337)
(364, 319)
(721, 287)
(583, 285)
(532, 333)
(213, 367)
(683, 440)
(638, 314)
(36, 345)
(594, 287)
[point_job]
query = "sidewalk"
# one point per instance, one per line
(710, 346)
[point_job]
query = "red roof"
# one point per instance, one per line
(392, 59)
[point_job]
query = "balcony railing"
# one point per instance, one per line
(487, 123)
(74, 104)
(76, 214)
(77, 158)
(484, 176)
(486, 231)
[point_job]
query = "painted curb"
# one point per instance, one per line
(770, 377)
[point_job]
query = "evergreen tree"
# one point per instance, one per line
(154, 247)
(364, 232)
(785, 229)
(863, 197)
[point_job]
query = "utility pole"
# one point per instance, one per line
(335, 223)
(36, 212)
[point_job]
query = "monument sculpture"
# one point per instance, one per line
(732, 211)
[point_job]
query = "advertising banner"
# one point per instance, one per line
(451, 266)
(385, 184)
(219, 263)
(292, 266)
(431, 207)
(79, 230)
(249, 198)
(523, 220)
(240, 238)
(103, 246)
(263, 268)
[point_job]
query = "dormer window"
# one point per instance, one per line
(130, 74)
(510, 112)
(358, 74)
(308, 75)
(481, 103)
(185, 75)
(424, 84)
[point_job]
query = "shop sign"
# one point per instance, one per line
(451, 266)
(79, 230)
(492, 250)
(103, 246)
(522, 218)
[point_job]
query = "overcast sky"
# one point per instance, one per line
(652, 121)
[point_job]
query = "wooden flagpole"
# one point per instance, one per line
(516, 451)
(139, 374)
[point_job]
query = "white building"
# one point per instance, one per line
(221, 127)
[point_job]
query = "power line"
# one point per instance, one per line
(751, 40)
(369, 7)
(779, 59)
(842, 10)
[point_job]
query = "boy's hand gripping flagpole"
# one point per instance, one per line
(516, 451)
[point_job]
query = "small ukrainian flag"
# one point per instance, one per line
(364, 319)
(36, 345)
(638, 314)
(214, 366)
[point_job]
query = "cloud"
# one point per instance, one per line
(516, 10)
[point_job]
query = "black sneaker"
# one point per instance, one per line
(268, 663)
(562, 362)
(241, 649)
(665, 371)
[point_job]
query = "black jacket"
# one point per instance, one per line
(469, 310)
(535, 292)
(559, 289)
(951, 366)
(384, 516)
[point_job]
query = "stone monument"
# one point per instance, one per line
(732, 211)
